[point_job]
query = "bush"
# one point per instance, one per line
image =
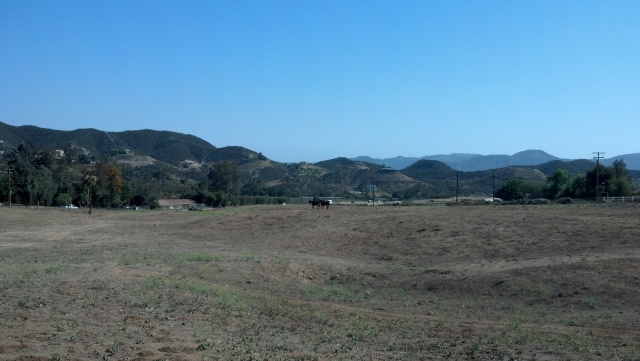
(517, 189)
(565, 200)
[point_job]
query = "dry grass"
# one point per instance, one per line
(551, 282)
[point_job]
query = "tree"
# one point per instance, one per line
(4, 184)
(109, 185)
(226, 178)
(578, 187)
(41, 186)
(557, 184)
(599, 174)
(614, 180)
(31, 178)
(622, 184)
(90, 181)
(115, 184)
(516, 188)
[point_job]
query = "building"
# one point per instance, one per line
(176, 204)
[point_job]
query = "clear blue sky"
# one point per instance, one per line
(314, 80)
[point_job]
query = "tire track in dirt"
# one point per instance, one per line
(495, 266)
(500, 324)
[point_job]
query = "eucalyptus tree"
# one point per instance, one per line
(90, 180)
(226, 180)
(31, 176)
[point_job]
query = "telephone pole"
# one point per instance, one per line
(9, 170)
(493, 185)
(597, 158)
(457, 185)
(373, 193)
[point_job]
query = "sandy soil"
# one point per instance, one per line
(495, 282)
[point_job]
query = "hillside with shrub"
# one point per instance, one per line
(140, 167)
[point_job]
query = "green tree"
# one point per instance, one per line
(599, 174)
(4, 184)
(614, 180)
(516, 188)
(621, 184)
(19, 160)
(578, 186)
(90, 181)
(41, 186)
(72, 154)
(31, 179)
(115, 185)
(557, 184)
(109, 185)
(226, 178)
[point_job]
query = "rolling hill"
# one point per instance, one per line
(187, 156)
(165, 146)
(477, 162)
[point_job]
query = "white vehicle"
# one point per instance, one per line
(71, 206)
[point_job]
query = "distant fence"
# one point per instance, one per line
(618, 199)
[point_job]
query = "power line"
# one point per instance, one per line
(597, 158)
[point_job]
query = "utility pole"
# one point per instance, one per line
(373, 192)
(493, 186)
(597, 158)
(457, 185)
(9, 170)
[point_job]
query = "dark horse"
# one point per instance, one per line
(314, 203)
(325, 204)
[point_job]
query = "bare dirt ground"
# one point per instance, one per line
(496, 282)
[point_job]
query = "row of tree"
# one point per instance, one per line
(38, 177)
(612, 181)
(34, 177)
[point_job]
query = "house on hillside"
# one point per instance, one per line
(58, 153)
(176, 204)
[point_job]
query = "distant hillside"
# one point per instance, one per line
(469, 162)
(477, 162)
(450, 158)
(485, 162)
(573, 167)
(396, 163)
(631, 160)
(182, 158)
(145, 147)
(169, 147)
(342, 162)
(446, 180)
(403, 162)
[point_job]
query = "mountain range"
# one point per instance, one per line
(476, 162)
(174, 148)
(187, 156)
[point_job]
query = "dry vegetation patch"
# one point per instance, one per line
(547, 282)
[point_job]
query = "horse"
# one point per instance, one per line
(325, 204)
(314, 203)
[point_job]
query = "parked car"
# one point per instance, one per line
(71, 206)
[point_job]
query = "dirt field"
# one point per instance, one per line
(496, 282)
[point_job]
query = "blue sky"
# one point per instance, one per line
(314, 80)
